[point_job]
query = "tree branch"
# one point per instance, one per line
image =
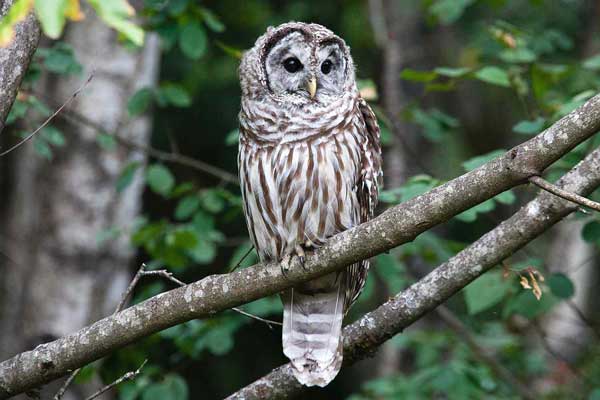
(15, 59)
(157, 154)
(555, 190)
(363, 337)
(397, 225)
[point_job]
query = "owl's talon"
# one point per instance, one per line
(285, 265)
(301, 256)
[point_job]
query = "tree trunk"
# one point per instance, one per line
(57, 277)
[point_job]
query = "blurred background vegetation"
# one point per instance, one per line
(453, 82)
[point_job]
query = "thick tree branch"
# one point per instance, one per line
(15, 59)
(394, 227)
(363, 337)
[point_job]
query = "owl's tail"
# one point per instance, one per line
(312, 329)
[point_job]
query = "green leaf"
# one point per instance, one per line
(232, 137)
(182, 238)
(51, 14)
(177, 7)
(61, 59)
(117, 14)
(204, 252)
(470, 215)
(529, 127)
(493, 75)
(507, 197)
(187, 206)
(592, 63)
(178, 386)
(106, 141)
(53, 136)
(486, 291)
(18, 110)
(561, 286)
(591, 232)
(478, 161)
(435, 123)
(527, 305)
(449, 11)
(139, 102)
(452, 72)
(127, 175)
(42, 148)
(192, 40)
(212, 201)
(175, 95)
(156, 391)
(160, 179)
(518, 55)
(211, 20)
(417, 76)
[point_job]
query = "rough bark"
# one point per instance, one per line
(57, 278)
(364, 336)
(394, 227)
(15, 59)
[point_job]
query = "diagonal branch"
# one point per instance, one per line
(363, 337)
(398, 225)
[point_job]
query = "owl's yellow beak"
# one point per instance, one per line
(311, 86)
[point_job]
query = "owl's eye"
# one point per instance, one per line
(326, 66)
(292, 65)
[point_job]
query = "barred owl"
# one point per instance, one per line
(310, 167)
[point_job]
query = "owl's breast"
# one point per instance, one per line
(300, 192)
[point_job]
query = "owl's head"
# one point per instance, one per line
(298, 63)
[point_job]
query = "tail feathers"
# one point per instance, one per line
(312, 334)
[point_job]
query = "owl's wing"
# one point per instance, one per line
(369, 182)
(371, 175)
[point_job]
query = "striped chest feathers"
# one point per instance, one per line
(300, 192)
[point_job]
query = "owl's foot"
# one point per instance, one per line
(285, 264)
(301, 255)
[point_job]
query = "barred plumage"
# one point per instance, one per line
(310, 167)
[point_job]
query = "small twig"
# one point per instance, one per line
(242, 259)
(164, 274)
(51, 117)
(172, 142)
(269, 322)
(127, 377)
(65, 385)
(136, 278)
(555, 190)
